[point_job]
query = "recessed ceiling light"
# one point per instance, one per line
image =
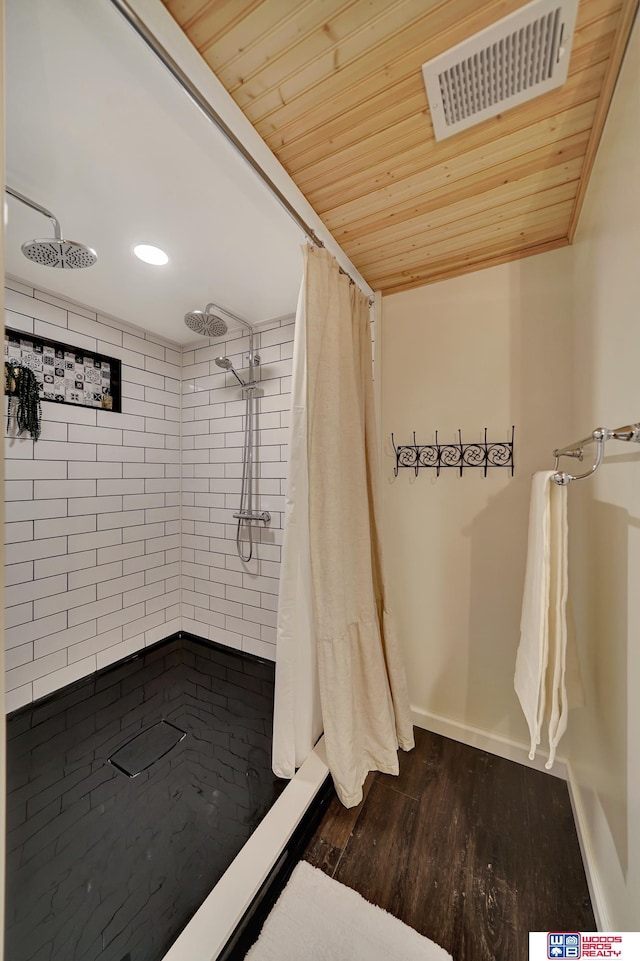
(151, 255)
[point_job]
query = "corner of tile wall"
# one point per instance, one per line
(119, 526)
(224, 599)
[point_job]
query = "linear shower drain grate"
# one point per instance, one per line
(146, 747)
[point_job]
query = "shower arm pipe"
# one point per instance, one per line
(198, 98)
(245, 323)
(36, 207)
(630, 432)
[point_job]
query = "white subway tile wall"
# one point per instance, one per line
(224, 599)
(92, 509)
(119, 526)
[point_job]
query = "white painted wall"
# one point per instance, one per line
(605, 520)
(223, 598)
(488, 349)
(92, 510)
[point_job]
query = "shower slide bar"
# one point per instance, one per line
(599, 436)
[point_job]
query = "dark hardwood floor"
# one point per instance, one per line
(469, 849)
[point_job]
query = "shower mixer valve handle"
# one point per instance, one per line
(264, 517)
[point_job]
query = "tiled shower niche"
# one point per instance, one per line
(65, 374)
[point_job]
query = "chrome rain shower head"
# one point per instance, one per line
(59, 253)
(208, 324)
(54, 251)
(205, 323)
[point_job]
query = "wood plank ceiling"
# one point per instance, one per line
(335, 88)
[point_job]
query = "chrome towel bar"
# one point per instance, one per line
(599, 437)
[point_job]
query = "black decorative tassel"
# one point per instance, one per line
(21, 385)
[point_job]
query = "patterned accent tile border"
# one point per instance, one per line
(65, 374)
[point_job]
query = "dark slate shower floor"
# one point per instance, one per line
(103, 867)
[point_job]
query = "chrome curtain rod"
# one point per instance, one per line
(203, 104)
(631, 432)
(214, 117)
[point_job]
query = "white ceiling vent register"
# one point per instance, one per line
(519, 57)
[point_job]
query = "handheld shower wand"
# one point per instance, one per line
(226, 364)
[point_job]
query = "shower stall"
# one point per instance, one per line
(143, 815)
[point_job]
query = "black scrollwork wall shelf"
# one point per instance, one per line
(484, 454)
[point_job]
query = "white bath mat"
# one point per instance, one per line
(318, 919)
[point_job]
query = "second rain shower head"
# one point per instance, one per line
(205, 323)
(209, 324)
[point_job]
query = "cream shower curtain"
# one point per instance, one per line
(349, 636)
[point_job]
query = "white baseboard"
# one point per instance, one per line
(513, 750)
(497, 744)
(594, 881)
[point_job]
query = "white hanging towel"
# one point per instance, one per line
(540, 677)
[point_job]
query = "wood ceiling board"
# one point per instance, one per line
(389, 187)
(393, 145)
(307, 35)
(536, 162)
(515, 220)
(456, 268)
(437, 256)
(479, 232)
(418, 229)
(349, 38)
(447, 204)
(500, 176)
(393, 105)
(204, 20)
(447, 264)
(321, 90)
(336, 91)
(380, 126)
(437, 260)
(360, 129)
(265, 30)
(310, 109)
